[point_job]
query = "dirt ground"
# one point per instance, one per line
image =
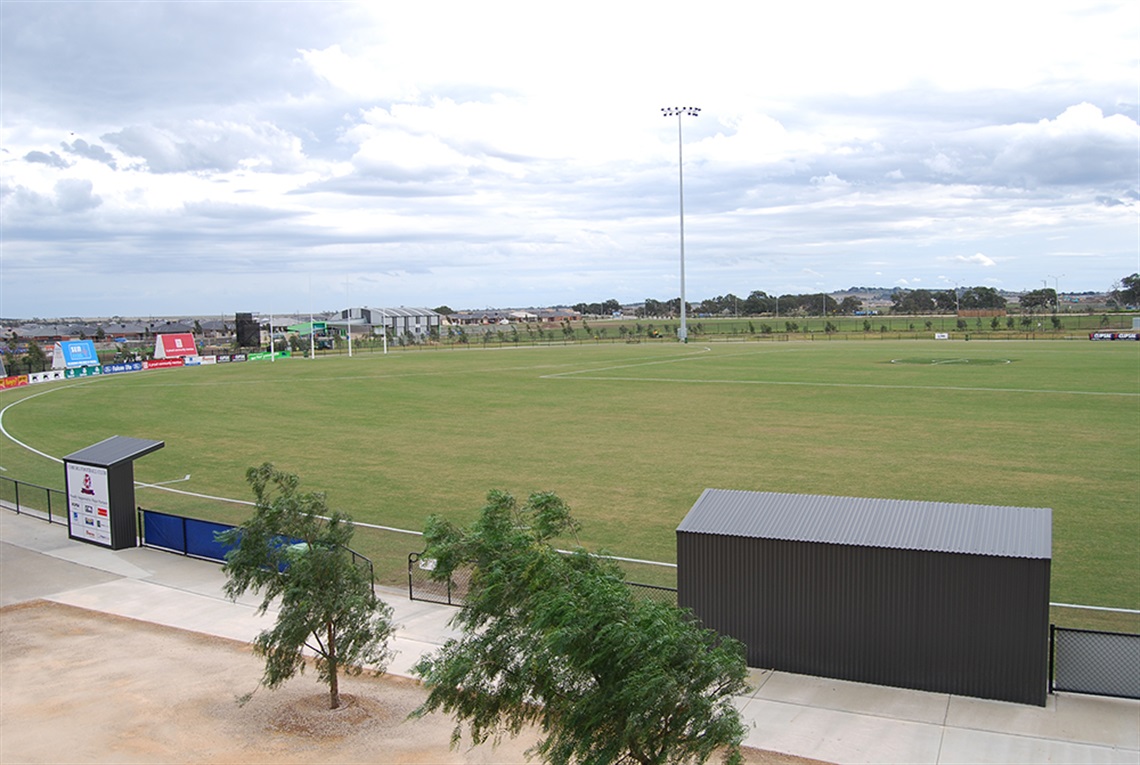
(78, 686)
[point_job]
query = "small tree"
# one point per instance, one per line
(292, 549)
(559, 641)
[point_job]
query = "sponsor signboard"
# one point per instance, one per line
(88, 504)
(16, 381)
(82, 372)
(162, 363)
(114, 369)
(39, 377)
(74, 353)
(1114, 336)
(174, 346)
(941, 335)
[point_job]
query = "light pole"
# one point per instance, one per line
(678, 112)
(1056, 292)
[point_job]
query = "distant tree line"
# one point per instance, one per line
(1125, 293)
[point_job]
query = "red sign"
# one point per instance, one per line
(174, 346)
(16, 381)
(162, 363)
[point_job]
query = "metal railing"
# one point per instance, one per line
(31, 499)
(197, 538)
(421, 585)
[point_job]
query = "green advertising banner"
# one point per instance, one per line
(82, 372)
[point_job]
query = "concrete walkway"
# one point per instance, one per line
(829, 720)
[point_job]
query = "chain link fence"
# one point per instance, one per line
(1098, 663)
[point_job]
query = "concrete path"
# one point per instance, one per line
(829, 720)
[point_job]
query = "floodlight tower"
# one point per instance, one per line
(1056, 292)
(678, 112)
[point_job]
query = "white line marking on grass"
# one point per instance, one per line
(841, 385)
(17, 441)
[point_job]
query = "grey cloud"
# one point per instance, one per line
(221, 211)
(23, 205)
(381, 186)
(201, 146)
(75, 195)
(157, 58)
(52, 160)
(91, 151)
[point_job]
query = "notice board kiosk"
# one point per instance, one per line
(100, 482)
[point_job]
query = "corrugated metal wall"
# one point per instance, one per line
(954, 623)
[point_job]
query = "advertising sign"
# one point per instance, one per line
(162, 363)
(88, 504)
(82, 372)
(39, 377)
(16, 381)
(1114, 336)
(174, 346)
(74, 353)
(114, 369)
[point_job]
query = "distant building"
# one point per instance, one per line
(400, 322)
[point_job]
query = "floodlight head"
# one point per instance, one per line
(678, 111)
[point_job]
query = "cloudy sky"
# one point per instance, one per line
(193, 157)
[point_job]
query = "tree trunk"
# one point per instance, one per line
(334, 687)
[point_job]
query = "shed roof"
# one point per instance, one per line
(1010, 532)
(113, 450)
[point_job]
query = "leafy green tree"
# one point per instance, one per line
(558, 641)
(912, 301)
(1128, 292)
(37, 359)
(294, 550)
(1037, 300)
(981, 297)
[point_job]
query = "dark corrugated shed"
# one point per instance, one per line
(935, 596)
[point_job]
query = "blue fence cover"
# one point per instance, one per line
(162, 530)
(200, 539)
(189, 536)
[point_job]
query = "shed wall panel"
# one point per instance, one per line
(966, 624)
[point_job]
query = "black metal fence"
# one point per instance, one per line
(452, 593)
(39, 501)
(1093, 662)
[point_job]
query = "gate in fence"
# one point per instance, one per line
(1098, 663)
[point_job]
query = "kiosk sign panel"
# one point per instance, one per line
(88, 504)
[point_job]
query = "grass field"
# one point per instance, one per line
(630, 434)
